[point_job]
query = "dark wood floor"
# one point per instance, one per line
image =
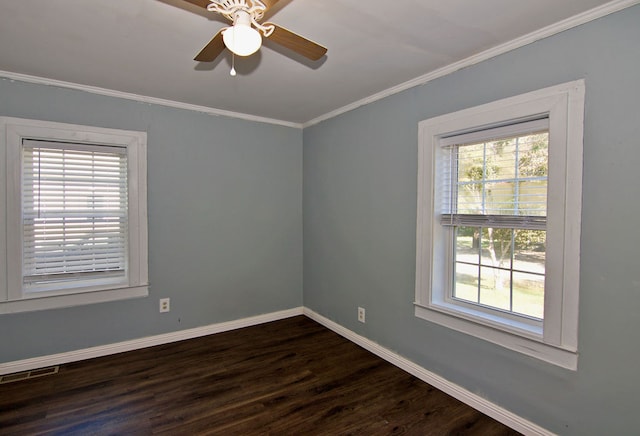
(289, 377)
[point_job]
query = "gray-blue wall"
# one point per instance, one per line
(225, 222)
(360, 173)
(226, 226)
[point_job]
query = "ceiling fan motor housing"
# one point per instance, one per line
(230, 8)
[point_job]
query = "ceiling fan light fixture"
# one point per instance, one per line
(245, 36)
(242, 39)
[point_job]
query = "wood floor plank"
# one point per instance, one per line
(288, 377)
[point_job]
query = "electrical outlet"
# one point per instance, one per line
(165, 305)
(361, 314)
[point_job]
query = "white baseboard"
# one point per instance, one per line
(150, 341)
(481, 404)
(498, 413)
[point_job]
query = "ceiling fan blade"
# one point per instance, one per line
(297, 43)
(212, 50)
(267, 3)
(201, 3)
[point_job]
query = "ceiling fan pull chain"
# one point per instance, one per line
(232, 73)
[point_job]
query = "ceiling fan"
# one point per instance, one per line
(245, 36)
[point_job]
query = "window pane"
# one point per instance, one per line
(532, 198)
(528, 294)
(501, 268)
(466, 285)
(467, 257)
(471, 162)
(500, 198)
(534, 155)
(495, 288)
(500, 159)
(470, 198)
(467, 244)
(529, 253)
(496, 247)
(506, 176)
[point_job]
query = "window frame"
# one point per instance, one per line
(556, 339)
(14, 297)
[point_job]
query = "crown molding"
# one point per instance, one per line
(561, 26)
(545, 32)
(144, 99)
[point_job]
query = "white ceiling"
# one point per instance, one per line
(146, 47)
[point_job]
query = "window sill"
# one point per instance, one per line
(526, 343)
(70, 300)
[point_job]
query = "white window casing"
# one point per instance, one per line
(555, 338)
(76, 215)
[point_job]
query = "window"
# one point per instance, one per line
(76, 215)
(499, 199)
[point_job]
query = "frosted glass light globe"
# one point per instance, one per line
(242, 39)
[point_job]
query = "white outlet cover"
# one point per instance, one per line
(361, 314)
(165, 305)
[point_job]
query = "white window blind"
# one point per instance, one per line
(497, 177)
(74, 205)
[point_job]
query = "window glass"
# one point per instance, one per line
(74, 203)
(500, 267)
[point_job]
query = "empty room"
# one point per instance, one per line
(319, 217)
